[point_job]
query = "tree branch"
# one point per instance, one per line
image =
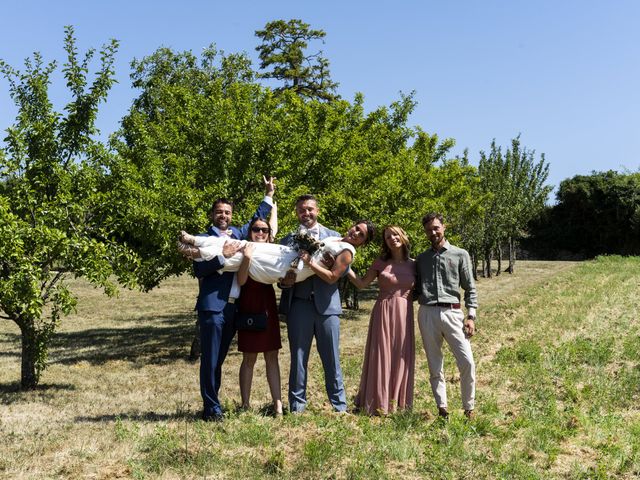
(50, 287)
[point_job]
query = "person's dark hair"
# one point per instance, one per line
(406, 245)
(371, 229)
(259, 219)
(305, 197)
(432, 216)
(221, 200)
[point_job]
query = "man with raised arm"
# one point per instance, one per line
(216, 299)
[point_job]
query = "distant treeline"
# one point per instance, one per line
(595, 214)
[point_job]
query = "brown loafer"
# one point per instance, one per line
(470, 414)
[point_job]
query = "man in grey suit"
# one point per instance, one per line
(313, 307)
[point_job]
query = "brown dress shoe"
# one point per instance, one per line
(470, 414)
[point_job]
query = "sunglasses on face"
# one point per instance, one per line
(260, 229)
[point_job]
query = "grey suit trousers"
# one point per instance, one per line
(304, 322)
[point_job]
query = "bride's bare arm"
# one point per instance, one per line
(243, 270)
(362, 282)
(332, 275)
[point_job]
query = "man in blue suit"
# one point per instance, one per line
(217, 294)
(312, 308)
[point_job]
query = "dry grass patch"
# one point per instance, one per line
(558, 392)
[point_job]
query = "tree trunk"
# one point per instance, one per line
(349, 294)
(474, 264)
(29, 375)
(512, 255)
(487, 263)
(499, 255)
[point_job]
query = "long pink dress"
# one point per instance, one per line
(386, 383)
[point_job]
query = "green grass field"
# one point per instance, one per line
(558, 367)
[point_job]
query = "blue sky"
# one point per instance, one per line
(564, 74)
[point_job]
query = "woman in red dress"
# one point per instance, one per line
(258, 297)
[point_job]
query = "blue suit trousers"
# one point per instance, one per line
(217, 330)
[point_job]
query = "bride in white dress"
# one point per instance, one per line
(270, 262)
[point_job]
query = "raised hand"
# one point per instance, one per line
(269, 185)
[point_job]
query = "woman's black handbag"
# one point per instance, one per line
(256, 322)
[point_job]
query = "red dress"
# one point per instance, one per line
(258, 297)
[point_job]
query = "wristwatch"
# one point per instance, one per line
(471, 317)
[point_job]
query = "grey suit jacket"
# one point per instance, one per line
(325, 297)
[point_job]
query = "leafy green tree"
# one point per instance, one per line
(494, 173)
(52, 212)
(200, 129)
(466, 218)
(527, 194)
(514, 190)
(283, 50)
(191, 136)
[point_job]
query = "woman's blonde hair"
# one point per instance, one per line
(406, 245)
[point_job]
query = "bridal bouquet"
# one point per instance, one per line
(302, 240)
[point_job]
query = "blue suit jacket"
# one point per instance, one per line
(215, 286)
(326, 297)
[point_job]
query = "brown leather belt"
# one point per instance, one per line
(455, 306)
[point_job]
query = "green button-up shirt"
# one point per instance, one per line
(442, 273)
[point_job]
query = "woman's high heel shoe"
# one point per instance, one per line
(187, 238)
(188, 251)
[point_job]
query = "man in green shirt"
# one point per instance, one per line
(442, 271)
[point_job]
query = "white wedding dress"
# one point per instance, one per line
(269, 261)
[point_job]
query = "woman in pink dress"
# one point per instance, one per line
(386, 384)
(256, 297)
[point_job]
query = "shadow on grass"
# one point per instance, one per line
(369, 294)
(266, 410)
(12, 393)
(161, 339)
(10, 345)
(15, 354)
(158, 340)
(138, 417)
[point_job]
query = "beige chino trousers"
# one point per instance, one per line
(438, 324)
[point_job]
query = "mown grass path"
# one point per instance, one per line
(558, 356)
